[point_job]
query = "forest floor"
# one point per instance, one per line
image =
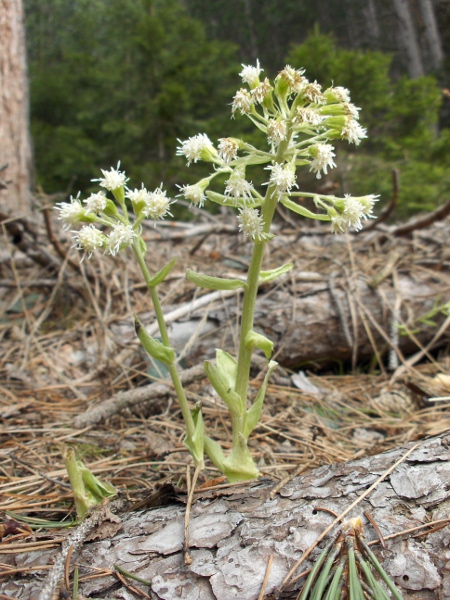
(67, 345)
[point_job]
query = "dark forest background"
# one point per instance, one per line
(123, 79)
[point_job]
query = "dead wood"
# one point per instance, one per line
(234, 530)
(318, 324)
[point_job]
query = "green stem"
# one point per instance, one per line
(185, 410)
(248, 307)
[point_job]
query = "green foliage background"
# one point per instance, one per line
(123, 79)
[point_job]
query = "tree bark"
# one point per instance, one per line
(234, 531)
(15, 146)
(431, 33)
(408, 39)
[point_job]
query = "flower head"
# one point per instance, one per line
(242, 101)
(309, 116)
(260, 92)
(337, 94)
(89, 238)
(237, 186)
(156, 205)
(198, 147)
(194, 193)
(71, 213)
(276, 131)
(283, 176)
(313, 92)
(96, 203)
(251, 223)
(353, 132)
(112, 180)
(294, 78)
(137, 196)
(121, 236)
(323, 155)
(250, 75)
(228, 149)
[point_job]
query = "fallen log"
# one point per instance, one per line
(323, 321)
(234, 531)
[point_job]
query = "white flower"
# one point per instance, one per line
(283, 176)
(354, 211)
(313, 92)
(351, 110)
(242, 101)
(156, 205)
(251, 223)
(294, 78)
(353, 132)
(337, 94)
(194, 193)
(250, 75)
(308, 115)
(260, 92)
(120, 237)
(228, 149)
(137, 196)
(276, 131)
(323, 158)
(368, 203)
(198, 147)
(339, 223)
(237, 186)
(96, 203)
(71, 213)
(113, 179)
(89, 238)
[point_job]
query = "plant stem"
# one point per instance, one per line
(185, 410)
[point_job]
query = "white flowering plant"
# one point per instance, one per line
(300, 122)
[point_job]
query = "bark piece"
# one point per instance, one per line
(234, 531)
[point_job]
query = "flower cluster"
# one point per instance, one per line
(301, 122)
(99, 210)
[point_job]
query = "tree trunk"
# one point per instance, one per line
(408, 39)
(233, 532)
(431, 33)
(15, 146)
(371, 19)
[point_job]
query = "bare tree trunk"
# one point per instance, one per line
(431, 34)
(370, 16)
(15, 146)
(233, 533)
(408, 38)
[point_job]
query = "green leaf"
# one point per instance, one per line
(221, 384)
(253, 414)
(227, 365)
(301, 210)
(266, 276)
(153, 347)
(88, 491)
(257, 340)
(196, 443)
(214, 283)
(215, 453)
(162, 274)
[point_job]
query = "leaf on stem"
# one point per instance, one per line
(301, 210)
(214, 283)
(162, 274)
(266, 276)
(253, 414)
(257, 340)
(153, 347)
